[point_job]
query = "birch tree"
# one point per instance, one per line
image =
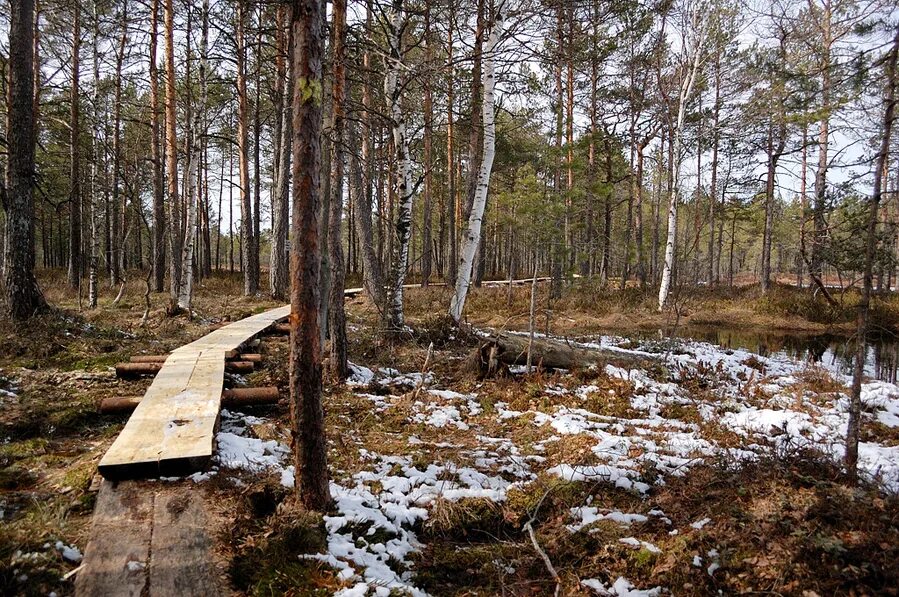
(472, 237)
(156, 158)
(171, 141)
(194, 190)
(395, 25)
(693, 34)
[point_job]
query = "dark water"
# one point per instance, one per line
(833, 351)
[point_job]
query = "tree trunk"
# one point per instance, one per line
(307, 416)
(171, 141)
(855, 401)
(713, 273)
(453, 254)
(194, 186)
(638, 223)
(372, 278)
(818, 220)
(119, 213)
(243, 141)
(686, 90)
(472, 237)
(280, 266)
(254, 265)
(74, 273)
(96, 200)
(23, 297)
(475, 146)
(775, 150)
(402, 170)
(336, 314)
(156, 158)
(426, 261)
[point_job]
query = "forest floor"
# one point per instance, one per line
(698, 470)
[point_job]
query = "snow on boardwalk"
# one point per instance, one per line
(172, 429)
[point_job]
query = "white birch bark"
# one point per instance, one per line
(693, 53)
(403, 225)
(93, 280)
(472, 237)
(185, 291)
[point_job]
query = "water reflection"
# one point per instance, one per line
(833, 351)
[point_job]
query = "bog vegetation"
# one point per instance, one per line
(496, 222)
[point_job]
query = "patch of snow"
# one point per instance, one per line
(634, 542)
(620, 588)
(587, 515)
(359, 375)
(134, 565)
(69, 553)
(248, 453)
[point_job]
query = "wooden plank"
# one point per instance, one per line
(181, 561)
(118, 551)
(172, 429)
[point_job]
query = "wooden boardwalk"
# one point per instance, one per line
(152, 538)
(149, 539)
(172, 430)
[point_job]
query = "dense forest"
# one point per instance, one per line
(725, 142)
(473, 192)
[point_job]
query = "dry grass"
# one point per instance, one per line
(783, 525)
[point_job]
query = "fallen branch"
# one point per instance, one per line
(528, 526)
(119, 296)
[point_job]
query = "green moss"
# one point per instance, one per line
(19, 450)
(643, 559)
(16, 477)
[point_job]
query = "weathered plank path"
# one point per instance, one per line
(150, 539)
(171, 432)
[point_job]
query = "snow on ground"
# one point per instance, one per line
(371, 537)
(761, 399)
(620, 588)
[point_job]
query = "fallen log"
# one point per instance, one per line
(132, 370)
(231, 356)
(230, 398)
(498, 351)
